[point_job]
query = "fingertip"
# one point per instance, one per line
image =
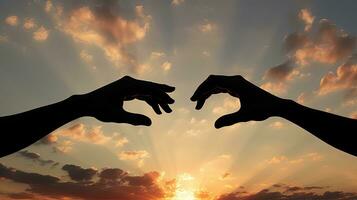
(172, 88)
(218, 125)
(146, 121)
(169, 88)
(171, 101)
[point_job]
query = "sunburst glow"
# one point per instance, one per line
(182, 194)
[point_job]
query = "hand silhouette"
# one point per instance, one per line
(256, 104)
(105, 103)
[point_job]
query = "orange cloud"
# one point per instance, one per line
(29, 23)
(303, 158)
(12, 20)
(86, 57)
(177, 2)
(102, 28)
(274, 87)
(306, 16)
(328, 45)
(277, 125)
(354, 115)
(344, 78)
(41, 34)
(133, 155)
(79, 132)
(166, 66)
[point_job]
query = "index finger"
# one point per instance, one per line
(212, 85)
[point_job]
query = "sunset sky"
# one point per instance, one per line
(298, 49)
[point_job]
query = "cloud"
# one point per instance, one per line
(123, 186)
(300, 159)
(41, 34)
(133, 155)
(21, 195)
(229, 105)
(207, 27)
(156, 55)
(77, 173)
(48, 139)
(354, 115)
(119, 140)
(166, 66)
(177, 2)
(35, 157)
(274, 87)
(48, 6)
(12, 20)
(86, 57)
(286, 192)
(63, 147)
(101, 27)
(306, 16)
(277, 125)
(112, 174)
(301, 99)
(328, 45)
(345, 78)
(282, 72)
(78, 132)
(63, 139)
(29, 23)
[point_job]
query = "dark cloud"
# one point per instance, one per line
(21, 195)
(295, 41)
(281, 72)
(285, 192)
(124, 187)
(35, 157)
(147, 179)
(78, 173)
(112, 174)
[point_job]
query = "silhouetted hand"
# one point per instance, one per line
(106, 103)
(256, 104)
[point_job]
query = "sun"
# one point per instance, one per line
(184, 188)
(184, 195)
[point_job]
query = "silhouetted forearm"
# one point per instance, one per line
(26, 128)
(333, 129)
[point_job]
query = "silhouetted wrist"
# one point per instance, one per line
(286, 108)
(77, 106)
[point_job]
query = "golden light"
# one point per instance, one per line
(184, 195)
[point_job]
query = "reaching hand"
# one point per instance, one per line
(106, 103)
(256, 104)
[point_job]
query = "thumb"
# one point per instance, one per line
(230, 119)
(134, 119)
